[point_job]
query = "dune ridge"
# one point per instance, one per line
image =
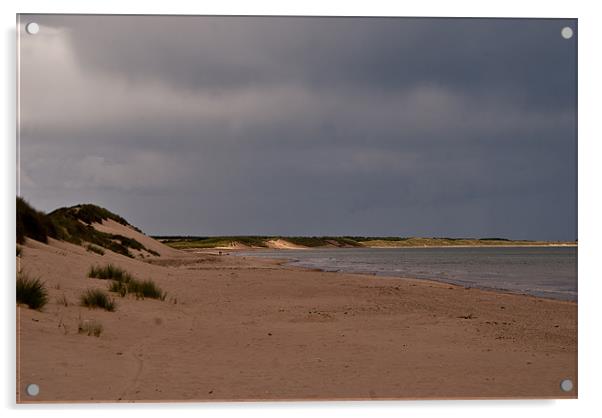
(284, 242)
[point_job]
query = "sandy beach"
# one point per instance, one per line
(242, 328)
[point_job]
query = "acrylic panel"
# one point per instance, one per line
(229, 208)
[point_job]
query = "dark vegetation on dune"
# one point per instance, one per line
(183, 242)
(323, 241)
(74, 224)
(124, 283)
(140, 289)
(153, 252)
(109, 272)
(251, 241)
(32, 223)
(254, 241)
(90, 214)
(494, 239)
(31, 292)
(95, 298)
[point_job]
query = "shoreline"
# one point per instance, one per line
(287, 263)
(282, 263)
(435, 281)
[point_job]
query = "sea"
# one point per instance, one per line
(549, 272)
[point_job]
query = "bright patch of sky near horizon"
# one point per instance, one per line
(304, 126)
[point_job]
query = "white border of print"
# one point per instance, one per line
(590, 233)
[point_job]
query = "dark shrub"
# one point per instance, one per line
(145, 289)
(32, 223)
(124, 283)
(89, 213)
(128, 242)
(118, 287)
(31, 292)
(95, 298)
(109, 272)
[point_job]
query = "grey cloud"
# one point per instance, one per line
(216, 53)
(313, 126)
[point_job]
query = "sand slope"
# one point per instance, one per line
(281, 244)
(246, 329)
(111, 227)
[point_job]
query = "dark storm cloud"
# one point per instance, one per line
(385, 53)
(460, 127)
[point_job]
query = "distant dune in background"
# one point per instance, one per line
(286, 242)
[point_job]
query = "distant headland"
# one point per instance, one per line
(301, 242)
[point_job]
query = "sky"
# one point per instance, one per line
(205, 125)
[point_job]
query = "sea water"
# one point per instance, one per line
(549, 272)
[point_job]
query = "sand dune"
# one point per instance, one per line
(281, 244)
(111, 227)
(235, 328)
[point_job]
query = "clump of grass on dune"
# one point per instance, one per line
(89, 214)
(31, 292)
(124, 283)
(95, 298)
(146, 289)
(109, 272)
(141, 289)
(32, 223)
(91, 328)
(95, 249)
(118, 287)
